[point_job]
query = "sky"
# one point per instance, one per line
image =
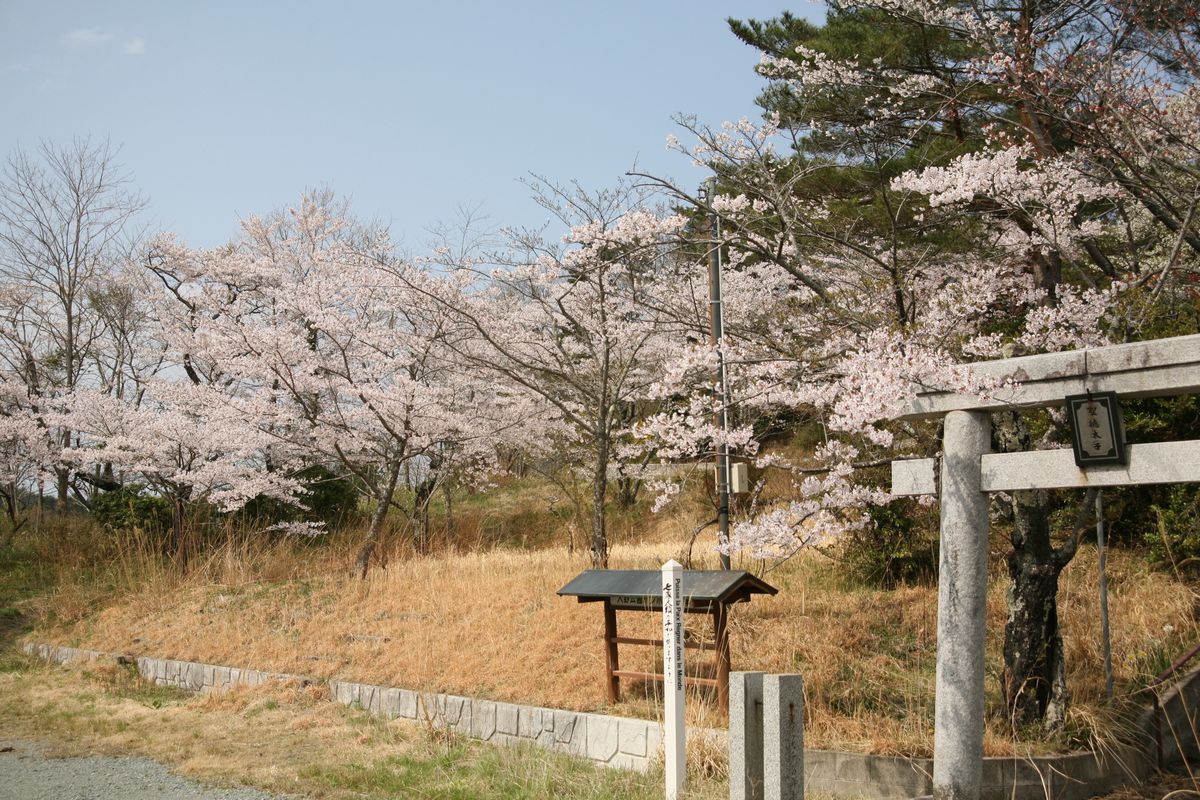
(411, 109)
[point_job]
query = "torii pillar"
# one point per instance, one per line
(962, 609)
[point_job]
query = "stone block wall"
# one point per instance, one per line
(62, 654)
(196, 677)
(1074, 776)
(611, 741)
(865, 776)
(619, 742)
(1178, 723)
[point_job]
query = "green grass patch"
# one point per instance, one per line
(126, 683)
(463, 771)
(21, 579)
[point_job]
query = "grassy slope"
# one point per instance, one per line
(291, 740)
(276, 737)
(489, 624)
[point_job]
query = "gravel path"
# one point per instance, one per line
(27, 774)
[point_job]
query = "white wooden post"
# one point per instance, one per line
(674, 735)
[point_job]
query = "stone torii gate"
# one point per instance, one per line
(969, 471)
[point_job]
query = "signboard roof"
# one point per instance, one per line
(642, 588)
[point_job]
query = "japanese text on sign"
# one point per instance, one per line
(673, 625)
(1096, 429)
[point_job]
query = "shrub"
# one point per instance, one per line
(897, 547)
(132, 507)
(333, 497)
(1174, 539)
(332, 500)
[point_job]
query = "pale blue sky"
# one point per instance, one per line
(226, 108)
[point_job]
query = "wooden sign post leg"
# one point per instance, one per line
(611, 659)
(721, 634)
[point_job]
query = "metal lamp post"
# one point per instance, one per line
(721, 389)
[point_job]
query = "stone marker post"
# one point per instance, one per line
(674, 736)
(766, 737)
(962, 597)
(746, 736)
(783, 737)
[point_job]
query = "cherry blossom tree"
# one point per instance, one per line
(183, 442)
(317, 334)
(988, 189)
(26, 451)
(572, 325)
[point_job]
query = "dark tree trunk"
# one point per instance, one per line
(605, 410)
(627, 491)
(178, 533)
(10, 510)
(628, 487)
(422, 495)
(11, 496)
(1047, 274)
(63, 487)
(383, 501)
(1034, 687)
(423, 543)
(599, 540)
(1034, 680)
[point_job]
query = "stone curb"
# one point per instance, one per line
(618, 742)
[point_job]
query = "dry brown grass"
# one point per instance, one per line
(220, 739)
(481, 618)
(489, 624)
(285, 738)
